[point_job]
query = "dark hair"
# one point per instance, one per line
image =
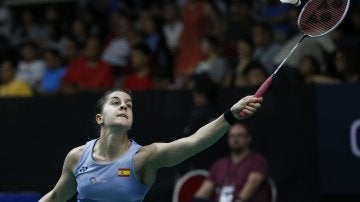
(30, 44)
(212, 40)
(144, 49)
(205, 86)
(52, 51)
(101, 102)
(255, 65)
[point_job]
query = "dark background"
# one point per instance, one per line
(303, 131)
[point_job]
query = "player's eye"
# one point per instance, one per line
(115, 102)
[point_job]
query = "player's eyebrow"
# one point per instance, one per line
(117, 98)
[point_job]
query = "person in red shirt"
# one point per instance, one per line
(239, 177)
(140, 78)
(88, 72)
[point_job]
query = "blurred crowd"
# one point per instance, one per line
(163, 44)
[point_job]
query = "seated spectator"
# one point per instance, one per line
(172, 26)
(347, 65)
(239, 177)
(255, 74)
(235, 76)
(203, 96)
(140, 77)
(30, 68)
(5, 20)
(212, 64)
(88, 72)
(117, 50)
(154, 39)
(310, 71)
(71, 49)
(9, 85)
(28, 29)
(198, 18)
(51, 80)
(265, 48)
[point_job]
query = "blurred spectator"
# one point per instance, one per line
(198, 18)
(5, 20)
(71, 49)
(203, 111)
(239, 20)
(154, 39)
(54, 29)
(347, 65)
(239, 177)
(235, 76)
(97, 15)
(213, 64)
(172, 26)
(27, 29)
(255, 74)
(117, 49)
(347, 34)
(88, 72)
(9, 85)
(52, 77)
(277, 15)
(310, 71)
(30, 68)
(140, 78)
(203, 95)
(265, 46)
(79, 30)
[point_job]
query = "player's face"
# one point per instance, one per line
(117, 111)
(238, 138)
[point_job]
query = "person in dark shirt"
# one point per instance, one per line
(239, 177)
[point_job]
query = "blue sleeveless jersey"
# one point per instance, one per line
(108, 182)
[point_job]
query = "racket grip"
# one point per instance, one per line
(260, 91)
(263, 87)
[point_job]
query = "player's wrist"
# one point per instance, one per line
(229, 117)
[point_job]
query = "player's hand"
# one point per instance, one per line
(248, 105)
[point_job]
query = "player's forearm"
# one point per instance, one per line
(49, 197)
(209, 134)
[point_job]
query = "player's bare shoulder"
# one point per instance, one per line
(73, 157)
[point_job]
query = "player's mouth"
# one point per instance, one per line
(122, 115)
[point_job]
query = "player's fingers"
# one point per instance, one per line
(249, 108)
(248, 112)
(255, 105)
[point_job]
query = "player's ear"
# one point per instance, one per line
(99, 119)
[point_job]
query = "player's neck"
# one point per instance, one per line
(239, 155)
(110, 146)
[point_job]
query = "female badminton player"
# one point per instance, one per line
(115, 168)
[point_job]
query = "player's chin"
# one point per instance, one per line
(123, 124)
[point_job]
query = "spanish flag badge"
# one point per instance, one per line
(124, 172)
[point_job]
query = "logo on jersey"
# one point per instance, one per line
(124, 172)
(94, 180)
(82, 170)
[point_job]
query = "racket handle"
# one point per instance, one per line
(260, 91)
(263, 87)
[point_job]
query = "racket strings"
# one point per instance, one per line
(320, 17)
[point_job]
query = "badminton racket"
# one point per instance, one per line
(317, 18)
